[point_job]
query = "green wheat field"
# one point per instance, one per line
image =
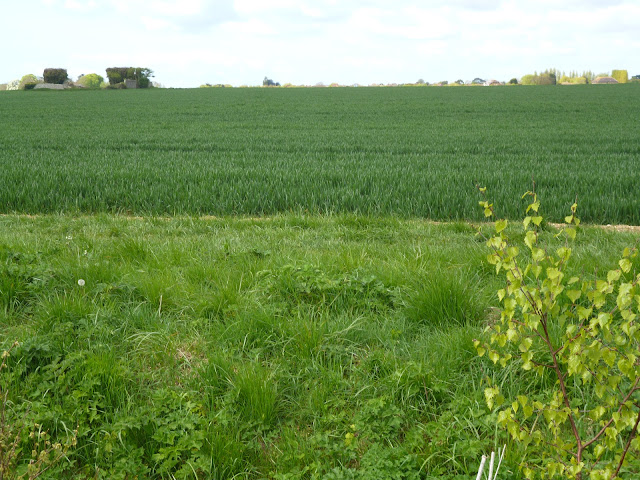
(408, 152)
(282, 284)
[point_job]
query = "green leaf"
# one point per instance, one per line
(494, 356)
(613, 275)
(501, 225)
(537, 254)
(525, 344)
(625, 265)
(573, 295)
(598, 451)
(530, 239)
(536, 220)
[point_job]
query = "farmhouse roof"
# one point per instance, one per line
(603, 80)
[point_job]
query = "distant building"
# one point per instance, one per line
(604, 80)
(493, 83)
(131, 83)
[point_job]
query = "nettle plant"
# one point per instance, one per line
(584, 335)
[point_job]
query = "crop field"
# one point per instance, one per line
(409, 152)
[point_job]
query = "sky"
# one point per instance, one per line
(305, 42)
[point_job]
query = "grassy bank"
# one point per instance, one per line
(285, 347)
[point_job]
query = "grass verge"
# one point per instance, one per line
(285, 347)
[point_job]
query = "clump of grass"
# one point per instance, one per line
(445, 298)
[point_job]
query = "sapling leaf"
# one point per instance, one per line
(625, 265)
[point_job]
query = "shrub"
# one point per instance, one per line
(29, 78)
(580, 332)
(55, 75)
(30, 85)
(513, 81)
(13, 85)
(91, 80)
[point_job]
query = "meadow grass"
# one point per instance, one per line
(289, 347)
(409, 152)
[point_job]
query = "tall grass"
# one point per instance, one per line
(289, 347)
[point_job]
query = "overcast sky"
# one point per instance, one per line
(191, 42)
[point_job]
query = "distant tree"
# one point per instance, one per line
(513, 81)
(118, 75)
(622, 76)
(267, 82)
(444, 82)
(13, 85)
(420, 81)
(28, 82)
(459, 82)
(528, 79)
(55, 75)
(477, 81)
(548, 77)
(91, 80)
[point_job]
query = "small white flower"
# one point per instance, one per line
(81, 282)
(69, 237)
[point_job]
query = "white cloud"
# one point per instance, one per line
(306, 41)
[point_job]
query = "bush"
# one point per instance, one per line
(55, 75)
(581, 332)
(30, 78)
(13, 85)
(91, 80)
(30, 85)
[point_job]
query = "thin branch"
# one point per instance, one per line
(626, 447)
(624, 400)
